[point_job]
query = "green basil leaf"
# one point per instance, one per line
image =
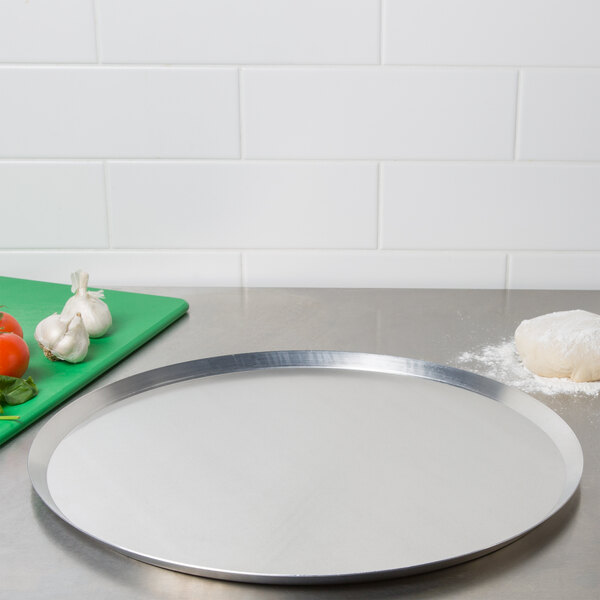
(15, 391)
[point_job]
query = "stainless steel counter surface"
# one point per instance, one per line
(42, 557)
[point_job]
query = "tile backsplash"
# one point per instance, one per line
(355, 143)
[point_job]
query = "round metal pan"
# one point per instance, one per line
(303, 467)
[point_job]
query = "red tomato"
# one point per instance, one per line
(14, 355)
(8, 324)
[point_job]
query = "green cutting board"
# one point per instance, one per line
(137, 318)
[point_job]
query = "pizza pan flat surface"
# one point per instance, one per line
(305, 466)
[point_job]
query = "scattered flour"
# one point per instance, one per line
(502, 363)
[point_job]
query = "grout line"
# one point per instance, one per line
(379, 211)
(97, 32)
(131, 66)
(239, 73)
(517, 114)
(247, 251)
(107, 202)
(235, 160)
(293, 66)
(381, 21)
(243, 274)
(104, 250)
(506, 271)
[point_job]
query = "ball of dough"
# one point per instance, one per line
(561, 344)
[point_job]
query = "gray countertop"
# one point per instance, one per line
(42, 557)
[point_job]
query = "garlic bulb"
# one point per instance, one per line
(95, 314)
(63, 339)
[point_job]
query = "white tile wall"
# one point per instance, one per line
(52, 205)
(375, 269)
(60, 31)
(490, 206)
(378, 113)
(420, 143)
(560, 114)
(118, 112)
(554, 271)
(127, 268)
(492, 32)
(239, 31)
(243, 205)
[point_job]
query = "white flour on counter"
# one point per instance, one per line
(502, 363)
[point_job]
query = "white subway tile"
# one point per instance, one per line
(560, 114)
(118, 112)
(494, 32)
(237, 205)
(490, 207)
(375, 269)
(554, 271)
(123, 268)
(378, 113)
(238, 31)
(52, 205)
(59, 31)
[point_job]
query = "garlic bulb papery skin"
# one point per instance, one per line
(95, 314)
(62, 339)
